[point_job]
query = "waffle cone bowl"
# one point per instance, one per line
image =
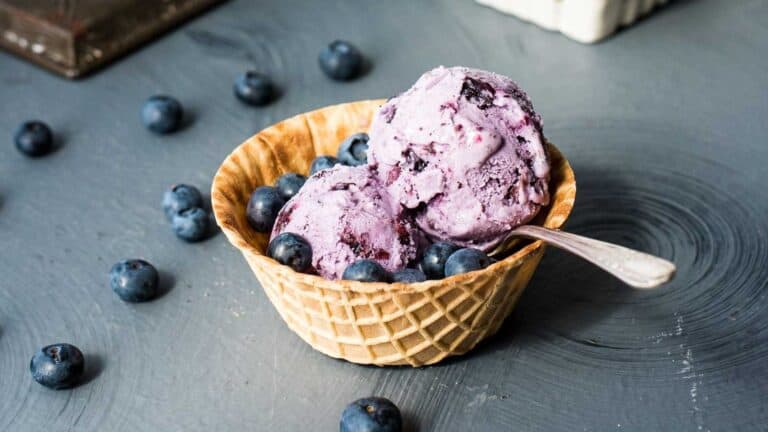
(371, 323)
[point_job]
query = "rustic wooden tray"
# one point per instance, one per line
(73, 37)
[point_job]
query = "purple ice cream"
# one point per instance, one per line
(463, 151)
(345, 215)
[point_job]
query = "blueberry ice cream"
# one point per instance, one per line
(463, 151)
(346, 216)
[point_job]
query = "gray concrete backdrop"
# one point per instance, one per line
(666, 126)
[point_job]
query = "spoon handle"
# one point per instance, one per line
(635, 268)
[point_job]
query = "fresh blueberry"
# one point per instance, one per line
(341, 61)
(291, 250)
(254, 88)
(263, 207)
(181, 197)
(34, 138)
(288, 185)
(353, 151)
(134, 280)
(409, 276)
(433, 261)
(372, 414)
(191, 224)
(366, 271)
(322, 162)
(466, 260)
(57, 366)
(162, 114)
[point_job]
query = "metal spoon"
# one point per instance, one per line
(635, 268)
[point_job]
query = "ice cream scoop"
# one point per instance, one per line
(344, 214)
(463, 150)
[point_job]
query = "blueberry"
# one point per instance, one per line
(478, 92)
(162, 114)
(191, 224)
(57, 366)
(254, 88)
(291, 250)
(134, 280)
(263, 207)
(181, 197)
(409, 276)
(322, 162)
(34, 138)
(353, 151)
(433, 261)
(466, 260)
(289, 184)
(372, 414)
(366, 271)
(341, 61)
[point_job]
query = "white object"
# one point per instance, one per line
(586, 21)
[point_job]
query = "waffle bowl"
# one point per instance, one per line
(371, 323)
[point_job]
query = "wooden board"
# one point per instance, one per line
(73, 37)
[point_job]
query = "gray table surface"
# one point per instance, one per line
(666, 126)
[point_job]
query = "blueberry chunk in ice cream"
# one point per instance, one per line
(463, 150)
(345, 216)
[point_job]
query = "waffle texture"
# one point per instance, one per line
(371, 323)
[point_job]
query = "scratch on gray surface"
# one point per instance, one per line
(689, 373)
(678, 331)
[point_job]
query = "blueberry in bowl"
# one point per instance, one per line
(409, 275)
(263, 206)
(366, 271)
(288, 185)
(433, 261)
(291, 250)
(353, 151)
(321, 163)
(466, 260)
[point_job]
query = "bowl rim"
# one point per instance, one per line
(222, 211)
